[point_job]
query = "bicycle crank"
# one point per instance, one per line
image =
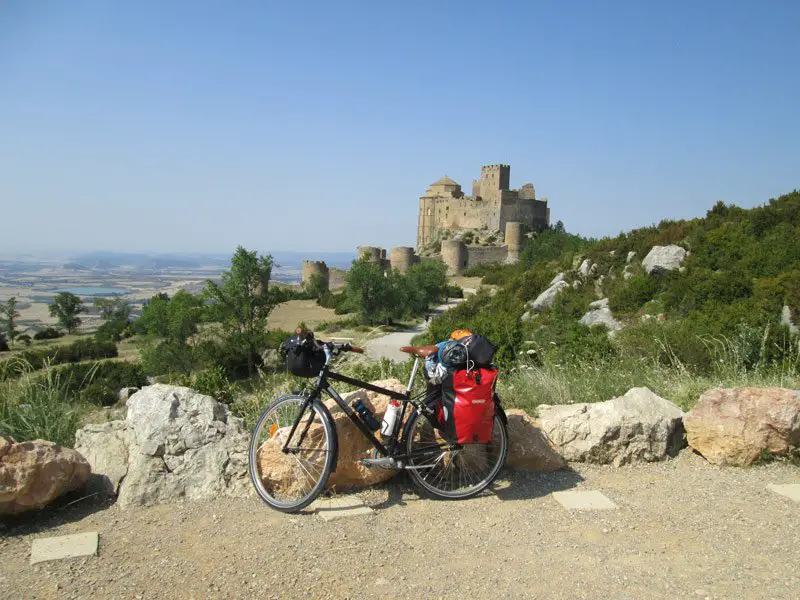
(382, 462)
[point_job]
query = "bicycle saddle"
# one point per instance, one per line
(421, 351)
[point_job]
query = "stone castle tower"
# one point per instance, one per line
(490, 207)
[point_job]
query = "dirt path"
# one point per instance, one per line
(388, 346)
(683, 529)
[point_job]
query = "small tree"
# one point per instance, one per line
(370, 291)
(184, 312)
(8, 311)
(154, 319)
(66, 307)
(243, 301)
(113, 309)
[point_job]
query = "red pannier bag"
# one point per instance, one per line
(467, 408)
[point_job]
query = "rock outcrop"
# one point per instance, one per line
(33, 474)
(600, 314)
(663, 258)
(786, 319)
(174, 444)
(734, 426)
(639, 426)
(546, 298)
(528, 446)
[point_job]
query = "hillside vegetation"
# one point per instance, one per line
(717, 320)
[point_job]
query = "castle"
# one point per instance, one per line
(445, 213)
(444, 207)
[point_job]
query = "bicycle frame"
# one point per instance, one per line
(322, 385)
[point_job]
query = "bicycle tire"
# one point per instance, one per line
(329, 430)
(431, 490)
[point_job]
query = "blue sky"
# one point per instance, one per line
(199, 126)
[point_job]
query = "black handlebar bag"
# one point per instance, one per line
(304, 357)
(467, 405)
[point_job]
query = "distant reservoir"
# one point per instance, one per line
(94, 291)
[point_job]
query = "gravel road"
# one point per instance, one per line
(683, 529)
(388, 346)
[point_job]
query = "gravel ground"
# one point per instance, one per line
(684, 529)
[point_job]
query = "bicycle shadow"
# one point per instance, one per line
(511, 485)
(518, 484)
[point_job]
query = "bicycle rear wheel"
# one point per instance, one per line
(453, 473)
(289, 480)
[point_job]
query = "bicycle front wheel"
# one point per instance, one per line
(445, 471)
(288, 474)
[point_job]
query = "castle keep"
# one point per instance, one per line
(444, 207)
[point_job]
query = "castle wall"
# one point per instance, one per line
(481, 255)
(534, 213)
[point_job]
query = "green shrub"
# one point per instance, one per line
(628, 296)
(454, 291)
(213, 382)
(114, 331)
(102, 379)
(84, 349)
(48, 333)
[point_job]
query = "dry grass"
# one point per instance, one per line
(286, 316)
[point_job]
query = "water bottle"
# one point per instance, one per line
(390, 418)
(366, 415)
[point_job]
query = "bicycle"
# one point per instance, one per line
(291, 465)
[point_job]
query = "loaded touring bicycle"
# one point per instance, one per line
(452, 438)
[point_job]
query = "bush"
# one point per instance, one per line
(3, 348)
(98, 383)
(48, 333)
(25, 339)
(628, 296)
(454, 291)
(114, 331)
(213, 382)
(84, 349)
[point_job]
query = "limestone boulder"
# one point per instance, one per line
(174, 444)
(353, 446)
(734, 426)
(546, 299)
(33, 474)
(639, 426)
(663, 258)
(597, 304)
(601, 316)
(126, 393)
(586, 268)
(630, 257)
(529, 448)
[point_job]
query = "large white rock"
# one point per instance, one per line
(586, 268)
(601, 316)
(786, 319)
(602, 303)
(639, 426)
(663, 258)
(556, 279)
(630, 257)
(546, 298)
(175, 443)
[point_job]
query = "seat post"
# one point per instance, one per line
(413, 376)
